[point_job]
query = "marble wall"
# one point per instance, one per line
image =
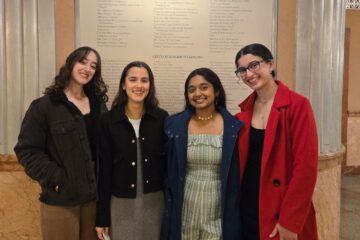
(327, 195)
(19, 204)
(353, 142)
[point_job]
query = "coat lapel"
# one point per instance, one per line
(270, 135)
(281, 100)
(231, 128)
(245, 116)
(181, 140)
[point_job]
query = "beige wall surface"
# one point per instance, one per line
(65, 36)
(353, 23)
(65, 30)
(286, 45)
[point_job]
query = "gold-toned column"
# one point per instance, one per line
(319, 70)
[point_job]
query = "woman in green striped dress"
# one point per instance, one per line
(202, 189)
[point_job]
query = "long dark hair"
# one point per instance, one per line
(214, 80)
(96, 85)
(255, 49)
(121, 97)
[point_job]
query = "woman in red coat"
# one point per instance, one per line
(278, 150)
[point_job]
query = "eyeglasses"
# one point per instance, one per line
(252, 67)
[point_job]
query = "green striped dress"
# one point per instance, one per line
(201, 212)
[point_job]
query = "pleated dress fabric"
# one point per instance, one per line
(201, 212)
(137, 218)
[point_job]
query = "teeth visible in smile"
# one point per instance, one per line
(199, 100)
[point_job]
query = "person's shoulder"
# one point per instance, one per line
(161, 112)
(297, 99)
(41, 102)
(176, 116)
(294, 97)
(229, 118)
(175, 119)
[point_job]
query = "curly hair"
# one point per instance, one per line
(96, 85)
(121, 97)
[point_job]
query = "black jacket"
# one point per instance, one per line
(118, 157)
(54, 149)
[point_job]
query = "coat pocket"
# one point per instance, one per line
(65, 135)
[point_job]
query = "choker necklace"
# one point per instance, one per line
(205, 118)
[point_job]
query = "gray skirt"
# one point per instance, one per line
(137, 219)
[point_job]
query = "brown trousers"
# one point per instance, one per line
(70, 223)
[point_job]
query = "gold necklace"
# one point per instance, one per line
(205, 118)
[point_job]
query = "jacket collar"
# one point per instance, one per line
(282, 98)
(118, 114)
(60, 97)
(230, 122)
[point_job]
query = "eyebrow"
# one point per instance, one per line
(200, 85)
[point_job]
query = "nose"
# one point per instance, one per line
(197, 92)
(87, 67)
(138, 83)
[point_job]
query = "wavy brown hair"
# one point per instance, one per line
(96, 85)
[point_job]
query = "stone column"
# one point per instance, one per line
(319, 71)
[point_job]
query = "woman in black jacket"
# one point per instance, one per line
(132, 164)
(57, 146)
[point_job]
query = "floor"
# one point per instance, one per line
(350, 208)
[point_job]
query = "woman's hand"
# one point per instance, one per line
(101, 231)
(284, 234)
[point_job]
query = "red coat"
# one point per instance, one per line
(288, 164)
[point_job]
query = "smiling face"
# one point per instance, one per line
(255, 76)
(84, 70)
(201, 93)
(137, 84)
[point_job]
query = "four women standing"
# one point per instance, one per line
(274, 159)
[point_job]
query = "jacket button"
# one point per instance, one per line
(276, 182)
(133, 141)
(277, 216)
(147, 181)
(145, 160)
(143, 138)
(132, 185)
(133, 163)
